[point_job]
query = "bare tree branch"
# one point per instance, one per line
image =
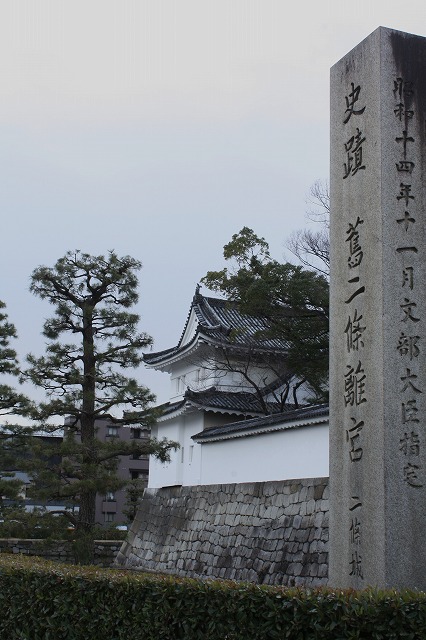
(312, 247)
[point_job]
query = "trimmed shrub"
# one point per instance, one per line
(40, 600)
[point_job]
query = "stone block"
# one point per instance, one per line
(313, 546)
(318, 519)
(297, 520)
(323, 571)
(305, 493)
(302, 509)
(302, 535)
(307, 522)
(293, 509)
(310, 506)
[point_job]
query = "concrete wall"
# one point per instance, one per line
(265, 532)
(105, 550)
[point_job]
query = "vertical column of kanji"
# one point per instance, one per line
(355, 380)
(405, 395)
(378, 314)
(355, 468)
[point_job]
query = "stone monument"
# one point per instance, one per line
(378, 321)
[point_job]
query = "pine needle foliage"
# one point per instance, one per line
(92, 341)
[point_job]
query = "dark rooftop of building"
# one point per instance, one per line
(220, 323)
(241, 403)
(285, 418)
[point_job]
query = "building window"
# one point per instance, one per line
(136, 474)
(110, 496)
(109, 517)
(181, 384)
(136, 434)
(112, 432)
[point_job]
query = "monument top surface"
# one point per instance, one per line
(402, 36)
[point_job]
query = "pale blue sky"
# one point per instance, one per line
(159, 128)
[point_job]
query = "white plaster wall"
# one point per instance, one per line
(165, 474)
(185, 371)
(185, 465)
(199, 373)
(191, 451)
(280, 455)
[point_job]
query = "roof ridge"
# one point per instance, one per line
(210, 315)
(188, 315)
(215, 319)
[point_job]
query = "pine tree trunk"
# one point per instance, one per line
(83, 548)
(84, 536)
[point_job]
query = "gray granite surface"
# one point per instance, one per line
(378, 314)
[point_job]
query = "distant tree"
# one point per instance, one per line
(11, 401)
(10, 488)
(83, 379)
(312, 247)
(12, 437)
(292, 299)
(13, 448)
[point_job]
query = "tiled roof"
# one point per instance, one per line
(290, 418)
(240, 403)
(221, 323)
(170, 407)
(232, 326)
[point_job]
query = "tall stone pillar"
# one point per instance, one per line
(378, 314)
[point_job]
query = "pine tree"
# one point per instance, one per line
(84, 378)
(12, 437)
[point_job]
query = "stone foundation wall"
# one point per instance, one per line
(105, 550)
(265, 532)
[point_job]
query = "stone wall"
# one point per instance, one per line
(265, 532)
(105, 550)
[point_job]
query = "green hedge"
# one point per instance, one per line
(40, 600)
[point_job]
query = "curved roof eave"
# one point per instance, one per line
(217, 318)
(172, 414)
(164, 359)
(190, 407)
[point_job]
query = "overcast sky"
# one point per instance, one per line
(159, 128)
